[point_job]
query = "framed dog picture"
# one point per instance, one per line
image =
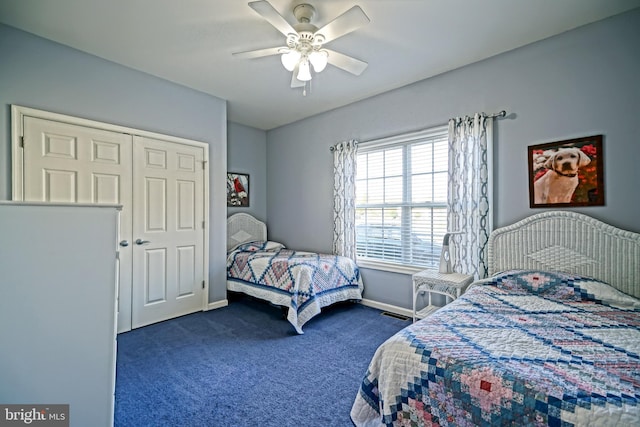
(566, 173)
(237, 190)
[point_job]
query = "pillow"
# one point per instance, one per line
(259, 246)
(602, 292)
(563, 286)
(529, 281)
(273, 246)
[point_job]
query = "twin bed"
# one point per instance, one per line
(552, 337)
(300, 282)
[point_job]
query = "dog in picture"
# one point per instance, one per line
(561, 179)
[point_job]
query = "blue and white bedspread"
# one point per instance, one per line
(303, 281)
(523, 348)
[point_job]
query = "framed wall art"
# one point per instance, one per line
(237, 190)
(566, 173)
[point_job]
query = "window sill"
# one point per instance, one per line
(388, 266)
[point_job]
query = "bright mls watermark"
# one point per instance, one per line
(34, 415)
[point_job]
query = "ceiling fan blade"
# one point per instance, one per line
(260, 52)
(272, 16)
(347, 63)
(349, 21)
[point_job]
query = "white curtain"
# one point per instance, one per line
(344, 198)
(469, 207)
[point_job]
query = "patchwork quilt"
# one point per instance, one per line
(303, 281)
(523, 348)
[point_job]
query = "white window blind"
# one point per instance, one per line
(401, 198)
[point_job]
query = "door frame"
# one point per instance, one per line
(17, 159)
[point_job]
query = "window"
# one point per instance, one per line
(401, 198)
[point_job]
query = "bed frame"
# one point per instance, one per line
(242, 228)
(569, 242)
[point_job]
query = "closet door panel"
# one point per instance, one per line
(67, 163)
(168, 219)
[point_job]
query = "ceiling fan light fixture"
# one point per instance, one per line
(305, 41)
(318, 59)
(290, 59)
(304, 73)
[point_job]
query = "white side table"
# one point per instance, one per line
(450, 285)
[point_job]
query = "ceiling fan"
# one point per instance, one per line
(305, 42)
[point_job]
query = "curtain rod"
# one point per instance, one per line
(498, 115)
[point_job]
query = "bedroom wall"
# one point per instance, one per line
(38, 73)
(247, 153)
(580, 83)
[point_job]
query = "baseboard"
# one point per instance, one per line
(218, 304)
(387, 307)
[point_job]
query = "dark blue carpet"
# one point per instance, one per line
(243, 365)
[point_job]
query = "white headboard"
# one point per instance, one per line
(569, 242)
(242, 228)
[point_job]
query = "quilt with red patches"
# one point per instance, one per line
(523, 348)
(303, 281)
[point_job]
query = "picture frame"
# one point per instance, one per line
(237, 190)
(566, 173)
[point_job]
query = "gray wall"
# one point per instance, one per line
(57, 314)
(247, 153)
(38, 73)
(580, 83)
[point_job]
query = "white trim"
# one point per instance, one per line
(217, 304)
(59, 204)
(387, 307)
(403, 138)
(205, 264)
(18, 112)
(375, 264)
(17, 174)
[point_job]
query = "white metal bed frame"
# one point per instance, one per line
(569, 242)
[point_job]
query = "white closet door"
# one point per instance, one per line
(78, 164)
(168, 230)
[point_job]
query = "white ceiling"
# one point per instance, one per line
(190, 42)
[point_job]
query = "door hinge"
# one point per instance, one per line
(203, 284)
(203, 225)
(22, 142)
(204, 164)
